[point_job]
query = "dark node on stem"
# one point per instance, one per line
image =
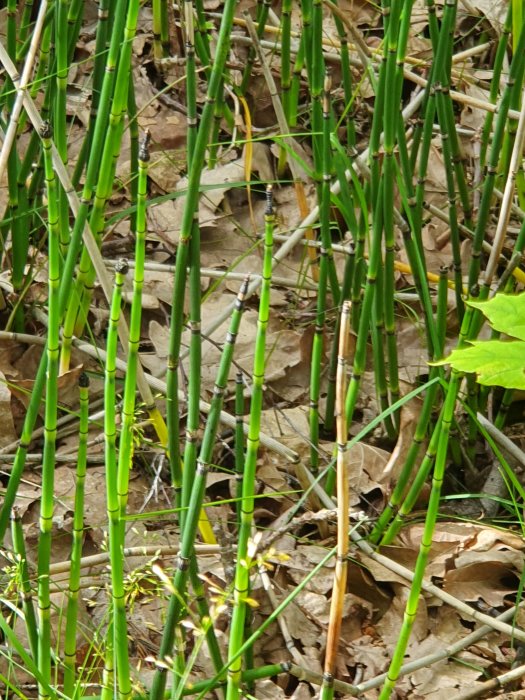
(46, 130)
(122, 267)
(15, 513)
(269, 200)
(474, 290)
(144, 147)
(328, 79)
(443, 270)
(83, 381)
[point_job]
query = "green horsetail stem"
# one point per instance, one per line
(130, 386)
(426, 540)
(346, 75)
(441, 88)
(496, 67)
(158, 50)
(92, 172)
(195, 356)
(80, 209)
(192, 198)
(422, 423)
(70, 640)
(346, 290)
(50, 420)
(442, 429)
(118, 628)
(274, 615)
(286, 65)
(467, 332)
(326, 272)
(25, 591)
(239, 442)
(97, 94)
(263, 7)
(191, 521)
(515, 77)
(19, 236)
(343, 509)
(194, 379)
(108, 163)
(242, 569)
(396, 48)
(60, 112)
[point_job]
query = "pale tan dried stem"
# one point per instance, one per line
(343, 503)
(362, 544)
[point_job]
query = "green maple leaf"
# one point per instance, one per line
(505, 312)
(495, 362)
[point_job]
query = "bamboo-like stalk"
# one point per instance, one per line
(77, 314)
(19, 236)
(242, 569)
(467, 331)
(101, 85)
(195, 503)
(70, 637)
(134, 147)
(50, 419)
(158, 52)
(515, 77)
(508, 194)
(422, 423)
(325, 267)
(497, 67)
(125, 456)
(343, 509)
(426, 540)
(80, 211)
(25, 593)
(286, 73)
(59, 111)
(194, 378)
(263, 7)
(100, 146)
(239, 443)
(346, 289)
(117, 649)
(197, 163)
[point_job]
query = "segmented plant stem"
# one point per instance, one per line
(70, 638)
(343, 506)
(118, 628)
(130, 385)
(50, 420)
(25, 592)
(191, 521)
(243, 562)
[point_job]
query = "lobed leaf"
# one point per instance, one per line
(495, 362)
(505, 312)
